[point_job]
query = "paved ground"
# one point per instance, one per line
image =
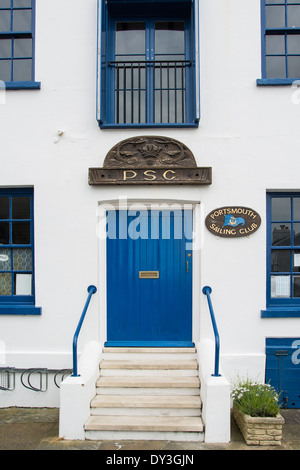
(37, 429)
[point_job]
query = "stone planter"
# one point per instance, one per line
(259, 431)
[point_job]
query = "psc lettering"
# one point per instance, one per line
(149, 175)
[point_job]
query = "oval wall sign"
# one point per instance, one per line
(233, 221)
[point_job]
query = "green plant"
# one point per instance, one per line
(255, 399)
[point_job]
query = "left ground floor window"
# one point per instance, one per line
(16, 250)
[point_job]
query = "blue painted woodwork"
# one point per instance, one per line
(279, 23)
(112, 11)
(22, 85)
(288, 312)
(281, 248)
(23, 78)
(20, 309)
(275, 81)
(149, 312)
(283, 369)
(12, 264)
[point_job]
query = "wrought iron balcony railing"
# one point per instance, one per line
(150, 91)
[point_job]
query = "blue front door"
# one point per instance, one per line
(149, 278)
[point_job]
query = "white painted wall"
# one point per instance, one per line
(248, 134)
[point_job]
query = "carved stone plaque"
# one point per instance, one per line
(150, 160)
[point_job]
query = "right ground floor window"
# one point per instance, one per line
(283, 240)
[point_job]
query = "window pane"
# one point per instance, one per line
(21, 207)
(293, 44)
(22, 70)
(22, 20)
(294, 67)
(5, 4)
(4, 207)
(297, 234)
(130, 39)
(280, 286)
(280, 261)
(275, 16)
(5, 284)
(169, 38)
(281, 208)
(23, 47)
(5, 48)
(4, 233)
(281, 234)
(296, 202)
(275, 44)
(275, 67)
(296, 286)
(22, 3)
(23, 284)
(4, 20)
(21, 233)
(5, 259)
(296, 261)
(5, 70)
(293, 14)
(22, 259)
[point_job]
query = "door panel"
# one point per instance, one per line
(142, 310)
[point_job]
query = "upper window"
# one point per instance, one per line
(148, 64)
(284, 249)
(17, 43)
(281, 40)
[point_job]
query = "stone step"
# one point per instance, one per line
(181, 436)
(133, 405)
(147, 393)
(149, 350)
(141, 401)
(148, 373)
(143, 364)
(149, 353)
(110, 368)
(139, 423)
(145, 412)
(149, 382)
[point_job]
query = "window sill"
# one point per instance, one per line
(276, 81)
(20, 310)
(147, 126)
(22, 85)
(288, 312)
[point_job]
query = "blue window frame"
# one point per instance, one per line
(280, 42)
(283, 254)
(17, 26)
(16, 252)
(147, 72)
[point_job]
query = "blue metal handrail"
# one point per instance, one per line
(207, 291)
(91, 290)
